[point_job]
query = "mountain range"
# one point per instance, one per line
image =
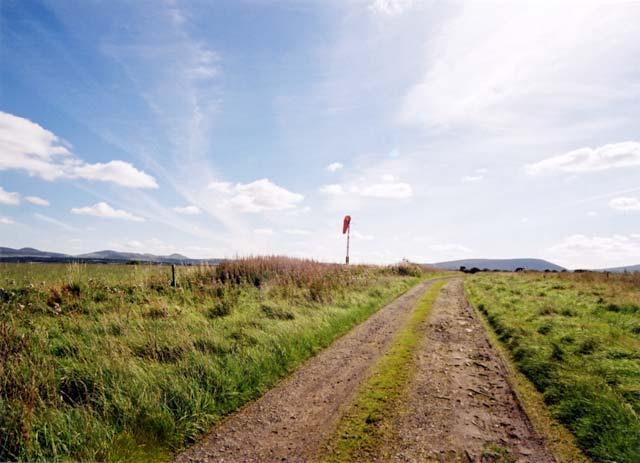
(106, 256)
(512, 264)
(110, 256)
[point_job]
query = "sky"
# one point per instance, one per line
(446, 129)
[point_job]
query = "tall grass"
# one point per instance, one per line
(104, 363)
(577, 338)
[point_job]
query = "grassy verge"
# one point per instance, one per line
(360, 432)
(576, 340)
(558, 439)
(111, 363)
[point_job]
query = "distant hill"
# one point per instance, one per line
(628, 268)
(28, 252)
(500, 264)
(106, 256)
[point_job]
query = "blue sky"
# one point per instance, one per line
(214, 129)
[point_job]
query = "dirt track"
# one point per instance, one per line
(292, 420)
(458, 407)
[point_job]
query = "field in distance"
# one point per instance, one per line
(109, 362)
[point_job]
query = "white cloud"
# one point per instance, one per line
(615, 155)
(6, 220)
(37, 200)
(221, 187)
(263, 231)
(592, 214)
(25, 145)
(119, 172)
(625, 203)
(188, 210)
(397, 190)
(103, 209)
(297, 231)
(599, 251)
(390, 7)
(476, 177)
(332, 190)
(388, 178)
(258, 196)
(334, 166)
(525, 62)
(6, 197)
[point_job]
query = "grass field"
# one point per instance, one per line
(109, 362)
(577, 338)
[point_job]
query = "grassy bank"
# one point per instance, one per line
(104, 363)
(362, 429)
(576, 337)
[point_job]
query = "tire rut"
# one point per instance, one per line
(291, 421)
(459, 406)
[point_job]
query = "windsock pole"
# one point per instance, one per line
(346, 228)
(348, 235)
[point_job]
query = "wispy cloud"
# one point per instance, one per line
(6, 220)
(332, 190)
(536, 63)
(615, 155)
(104, 210)
(625, 203)
(37, 200)
(56, 222)
(390, 7)
(264, 231)
(188, 210)
(387, 190)
(297, 231)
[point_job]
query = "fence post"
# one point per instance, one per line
(173, 275)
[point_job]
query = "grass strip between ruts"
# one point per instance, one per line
(360, 431)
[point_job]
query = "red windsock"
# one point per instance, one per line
(345, 223)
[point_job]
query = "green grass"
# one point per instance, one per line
(106, 362)
(362, 430)
(576, 338)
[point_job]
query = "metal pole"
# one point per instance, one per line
(348, 235)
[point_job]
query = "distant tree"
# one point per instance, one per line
(474, 270)
(463, 269)
(520, 269)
